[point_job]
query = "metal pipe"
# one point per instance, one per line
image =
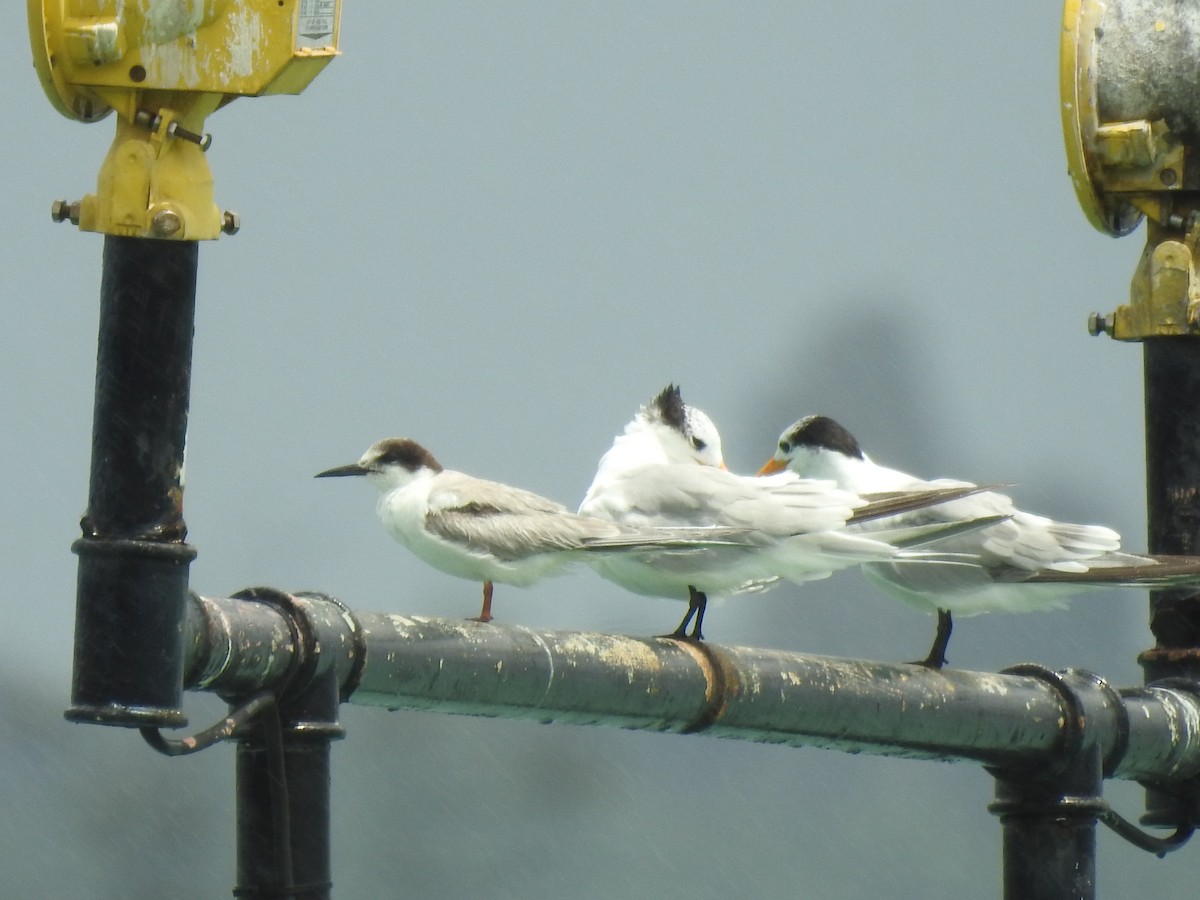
(1172, 383)
(133, 561)
(1010, 721)
(1049, 831)
(283, 802)
(1172, 386)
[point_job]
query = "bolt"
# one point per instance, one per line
(231, 222)
(1098, 324)
(166, 223)
(154, 120)
(61, 211)
(203, 141)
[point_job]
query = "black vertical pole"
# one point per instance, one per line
(1172, 377)
(1049, 827)
(283, 764)
(1048, 813)
(133, 561)
(283, 797)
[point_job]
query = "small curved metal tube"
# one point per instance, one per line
(1159, 846)
(214, 734)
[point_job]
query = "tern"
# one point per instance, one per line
(666, 469)
(1022, 562)
(490, 532)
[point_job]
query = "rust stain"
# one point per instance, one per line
(721, 684)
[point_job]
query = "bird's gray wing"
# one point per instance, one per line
(506, 522)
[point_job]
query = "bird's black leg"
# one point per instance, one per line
(697, 601)
(937, 653)
(700, 600)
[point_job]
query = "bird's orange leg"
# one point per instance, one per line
(485, 614)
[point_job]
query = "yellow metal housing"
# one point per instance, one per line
(1131, 115)
(1110, 163)
(163, 66)
(1077, 98)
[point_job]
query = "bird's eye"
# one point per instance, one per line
(697, 443)
(785, 446)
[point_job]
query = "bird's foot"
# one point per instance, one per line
(930, 662)
(937, 653)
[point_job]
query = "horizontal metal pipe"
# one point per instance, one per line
(1026, 719)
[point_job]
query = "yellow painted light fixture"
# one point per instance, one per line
(1130, 94)
(163, 66)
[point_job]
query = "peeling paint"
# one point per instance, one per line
(246, 39)
(541, 642)
(632, 655)
(1173, 725)
(997, 686)
(166, 57)
(167, 20)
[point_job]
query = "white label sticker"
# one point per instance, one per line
(315, 23)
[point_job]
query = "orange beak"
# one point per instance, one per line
(772, 466)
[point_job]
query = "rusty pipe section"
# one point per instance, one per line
(1026, 719)
(266, 639)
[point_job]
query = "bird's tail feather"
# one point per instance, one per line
(1127, 570)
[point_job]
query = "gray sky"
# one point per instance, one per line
(498, 228)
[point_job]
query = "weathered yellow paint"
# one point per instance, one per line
(1165, 291)
(227, 47)
(1124, 171)
(1106, 161)
(166, 64)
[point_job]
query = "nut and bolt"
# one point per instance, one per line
(231, 222)
(62, 211)
(174, 129)
(166, 223)
(1098, 324)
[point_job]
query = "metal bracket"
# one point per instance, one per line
(1164, 296)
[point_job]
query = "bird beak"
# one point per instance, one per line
(773, 465)
(342, 471)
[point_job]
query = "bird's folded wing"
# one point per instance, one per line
(677, 538)
(507, 535)
(934, 535)
(930, 498)
(701, 495)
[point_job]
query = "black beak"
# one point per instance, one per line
(342, 471)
